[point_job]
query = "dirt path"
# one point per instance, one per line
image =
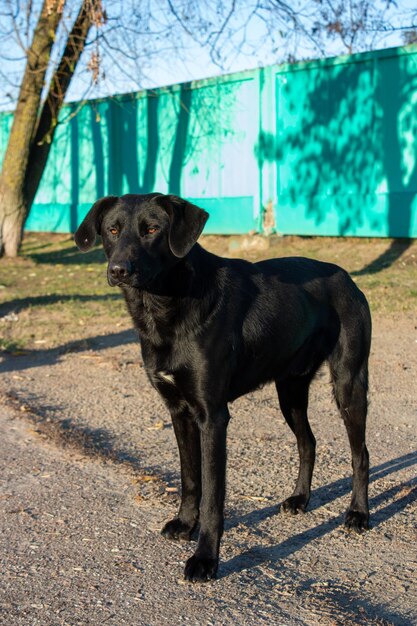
(90, 472)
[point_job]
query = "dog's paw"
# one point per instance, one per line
(199, 569)
(177, 530)
(295, 504)
(357, 521)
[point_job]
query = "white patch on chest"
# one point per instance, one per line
(167, 377)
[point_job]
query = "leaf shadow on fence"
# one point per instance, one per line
(126, 134)
(346, 148)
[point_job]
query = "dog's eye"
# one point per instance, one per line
(114, 231)
(151, 230)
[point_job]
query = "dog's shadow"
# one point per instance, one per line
(407, 490)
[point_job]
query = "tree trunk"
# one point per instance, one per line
(13, 208)
(33, 128)
(60, 82)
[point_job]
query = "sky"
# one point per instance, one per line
(247, 43)
(145, 44)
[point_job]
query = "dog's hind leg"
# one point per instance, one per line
(293, 400)
(188, 438)
(350, 390)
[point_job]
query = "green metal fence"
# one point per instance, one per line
(330, 145)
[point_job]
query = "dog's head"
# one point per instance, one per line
(142, 235)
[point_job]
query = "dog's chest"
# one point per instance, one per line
(168, 368)
(163, 376)
(175, 386)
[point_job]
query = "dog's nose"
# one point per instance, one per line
(120, 270)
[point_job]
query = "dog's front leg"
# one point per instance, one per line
(188, 439)
(203, 564)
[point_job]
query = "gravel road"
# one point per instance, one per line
(90, 474)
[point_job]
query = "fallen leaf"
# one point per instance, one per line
(146, 478)
(256, 498)
(157, 426)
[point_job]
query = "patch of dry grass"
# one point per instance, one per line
(52, 294)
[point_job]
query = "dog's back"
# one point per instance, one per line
(277, 318)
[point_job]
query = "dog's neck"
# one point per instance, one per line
(170, 299)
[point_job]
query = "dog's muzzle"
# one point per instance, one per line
(119, 272)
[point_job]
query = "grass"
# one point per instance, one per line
(53, 295)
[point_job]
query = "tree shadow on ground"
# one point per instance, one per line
(19, 304)
(346, 606)
(93, 442)
(68, 256)
(386, 259)
(333, 491)
(337, 597)
(38, 358)
(258, 555)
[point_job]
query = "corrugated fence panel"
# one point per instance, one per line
(345, 148)
(325, 150)
(6, 120)
(330, 145)
(52, 210)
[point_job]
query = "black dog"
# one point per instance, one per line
(213, 329)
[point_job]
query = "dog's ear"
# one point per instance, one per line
(187, 223)
(85, 237)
